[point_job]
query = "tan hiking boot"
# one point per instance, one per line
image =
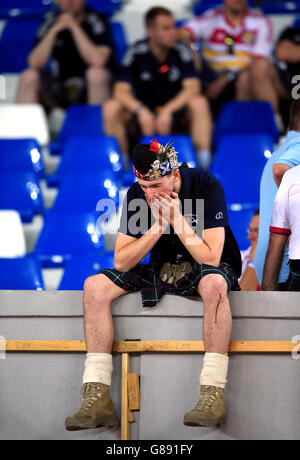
(209, 410)
(96, 410)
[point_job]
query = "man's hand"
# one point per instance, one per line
(164, 122)
(64, 21)
(170, 206)
(156, 210)
(146, 121)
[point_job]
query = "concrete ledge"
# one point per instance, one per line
(38, 390)
(69, 303)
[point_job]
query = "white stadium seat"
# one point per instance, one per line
(12, 239)
(24, 121)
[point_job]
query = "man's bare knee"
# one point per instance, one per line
(212, 288)
(101, 290)
(97, 76)
(30, 78)
(112, 110)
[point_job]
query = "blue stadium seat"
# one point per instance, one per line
(16, 43)
(79, 267)
(246, 118)
(107, 7)
(296, 23)
(88, 153)
(80, 191)
(239, 219)
(201, 6)
(239, 162)
(21, 8)
(119, 39)
(21, 273)
(21, 191)
(182, 143)
(281, 7)
(21, 155)
(65, 234)
(81, 120)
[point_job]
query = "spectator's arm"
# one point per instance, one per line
(249, 280)
(278, 171)
(263, 46)
(190, 89)
(123, 93)
(273, 261)
(93, 55)
(288, 52)
(41, 53)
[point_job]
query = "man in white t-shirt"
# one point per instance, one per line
(285, 225)
(237, 45)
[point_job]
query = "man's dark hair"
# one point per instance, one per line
(256, 212)
(153, 13)
(294, 124)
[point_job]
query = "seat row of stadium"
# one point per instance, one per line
(90, 169)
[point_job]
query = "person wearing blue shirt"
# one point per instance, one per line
(285, 157)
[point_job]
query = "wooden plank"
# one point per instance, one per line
(125, 430)
(134, 391)
(239, 346)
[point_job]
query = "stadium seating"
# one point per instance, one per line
(119, 39)
(246, 118)
(239, 219)
(12, 240)
(238, 164)
(81, 120)
(21, 273)
(281, 7)
(65, 234)
(200, 6)
(80, 191)
(182, 143)
(79, 267)
(21, 191)
(88, 153)
(16, 43)
(21, 8)
(24, 121)
(107, 7)
(21, 155)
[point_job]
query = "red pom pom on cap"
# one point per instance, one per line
(155, 146)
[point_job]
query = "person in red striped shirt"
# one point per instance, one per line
(237, 44)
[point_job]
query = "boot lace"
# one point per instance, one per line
(91, 393)
(208, 396)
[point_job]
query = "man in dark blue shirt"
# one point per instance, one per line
(77, 41)
(178, 215)
(158, 90)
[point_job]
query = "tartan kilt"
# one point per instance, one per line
(145, 278)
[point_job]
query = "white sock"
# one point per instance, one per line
(98, 368)
(204, 159)
(214, 372)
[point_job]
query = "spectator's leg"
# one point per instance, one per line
(97, 408)
(98, 83)
(99, 292)
(28, 87)
(210, 409)
(115, 118)
(262, 86)
(243, 86)
(217, 314)
(201, 129)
